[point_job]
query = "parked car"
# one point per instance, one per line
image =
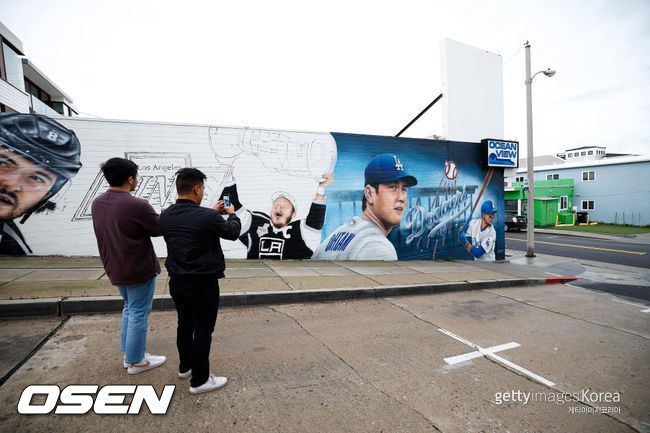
(515, 222)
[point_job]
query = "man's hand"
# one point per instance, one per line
(462, 238)
(328, 178)
(223, 210)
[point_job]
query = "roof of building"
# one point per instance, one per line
(41, 80)
(585, 147)
(542, 160)
(11, 38)
(626, 159)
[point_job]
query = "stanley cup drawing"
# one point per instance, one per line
(297, 155)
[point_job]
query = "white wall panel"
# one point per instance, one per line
(472, 83)
(13, 98)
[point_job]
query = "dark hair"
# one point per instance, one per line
(117, 170)
(187, 178)
(374, 186)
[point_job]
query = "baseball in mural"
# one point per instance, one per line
(383, 204)
(451, 170)
(275, 235)
(38, 156)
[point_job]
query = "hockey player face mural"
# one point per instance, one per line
(23, 184)
(38, 156)
(282, 212)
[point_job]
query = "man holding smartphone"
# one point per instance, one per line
(195, 263)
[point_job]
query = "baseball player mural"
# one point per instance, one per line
(482, 233)
(38, 157)
(275, 235)
(383, 205)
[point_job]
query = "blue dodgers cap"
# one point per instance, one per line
(387, 168)
(488, 207)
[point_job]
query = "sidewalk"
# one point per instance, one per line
(639, 238)
(51, 286)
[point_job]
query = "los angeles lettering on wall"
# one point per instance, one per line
(156, 174)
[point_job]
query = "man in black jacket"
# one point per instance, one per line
(195, 263)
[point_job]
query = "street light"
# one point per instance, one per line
(530, 213)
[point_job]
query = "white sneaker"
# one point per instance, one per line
(147, 363)
(126, 364)
(185, 375)
(213, 382)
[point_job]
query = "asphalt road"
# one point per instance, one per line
(602, 250)
(407, 364)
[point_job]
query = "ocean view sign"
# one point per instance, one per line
(502, 153)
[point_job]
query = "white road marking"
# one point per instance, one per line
(487, 353)
(647, 310)
(471, 355)
(523, 370)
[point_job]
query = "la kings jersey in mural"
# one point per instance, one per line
(482, 238)
(359, 239)
(296, 240)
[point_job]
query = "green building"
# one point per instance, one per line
(553, 200)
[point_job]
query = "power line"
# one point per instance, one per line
(511, 57)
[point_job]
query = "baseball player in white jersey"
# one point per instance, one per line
(383, 205)
(482, 233)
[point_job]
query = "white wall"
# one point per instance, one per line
(14, 98)
(472, 83)
(262, 162)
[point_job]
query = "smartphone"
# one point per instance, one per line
(226, 201)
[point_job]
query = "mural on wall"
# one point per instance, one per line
(433, 186)
(38, 156)
(278, 234)
(299, 195)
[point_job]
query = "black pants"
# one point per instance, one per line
(197, 302)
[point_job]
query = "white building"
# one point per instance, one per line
(23, 87)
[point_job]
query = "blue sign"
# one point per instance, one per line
(502, 153)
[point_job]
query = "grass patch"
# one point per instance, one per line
(607, 228)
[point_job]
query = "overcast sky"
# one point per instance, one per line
(345, 66)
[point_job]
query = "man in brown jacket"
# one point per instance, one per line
(123, 226)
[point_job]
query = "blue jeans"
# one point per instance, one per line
(135, 317)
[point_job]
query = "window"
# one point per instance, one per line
(587, 205)
(583, 153)
(36, 91)
(588, 176)
(14, 67)
(61, 108)
(564, 202)
(591, 152)
(519, 179)
(569, 155)
(552, 176)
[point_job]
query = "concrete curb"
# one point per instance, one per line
(578, 234)
(23, 308)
